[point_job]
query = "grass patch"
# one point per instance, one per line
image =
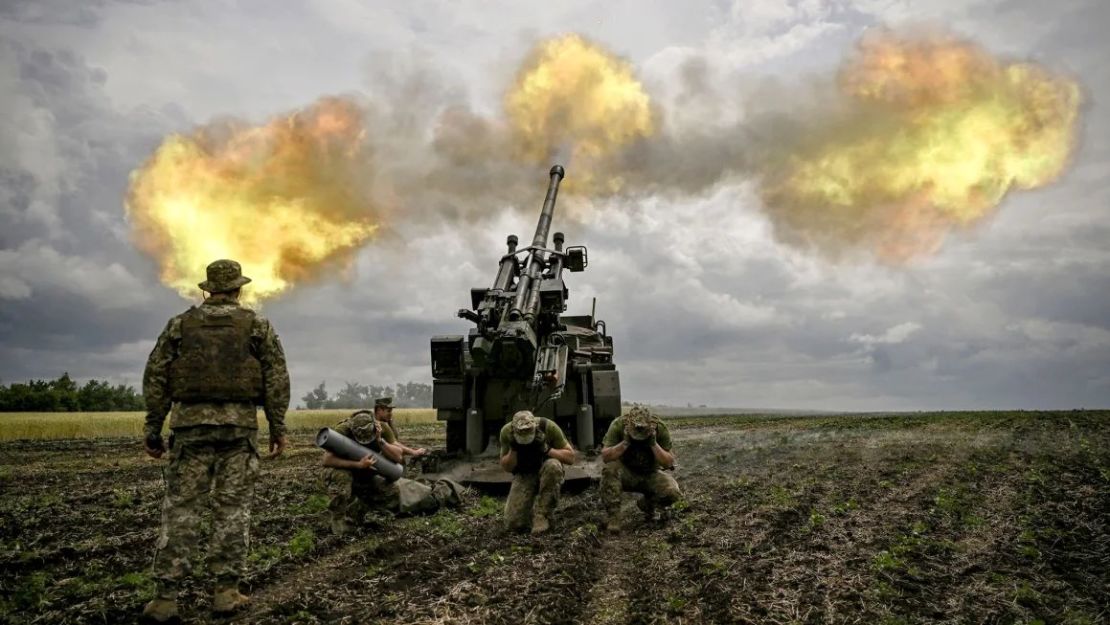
(486, 506)
(61, 425)
(444, 524)
(302, 542)
(315, 504)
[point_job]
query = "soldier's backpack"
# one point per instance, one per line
(214, 362)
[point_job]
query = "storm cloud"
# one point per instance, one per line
(705, 306)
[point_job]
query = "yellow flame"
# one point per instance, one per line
(573, 99)
(941, 131)
(283, 199)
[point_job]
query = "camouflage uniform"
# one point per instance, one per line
(537, 479)
(637, 470)
(214, 449)
(354, 493)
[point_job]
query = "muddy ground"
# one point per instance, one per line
(950, 518)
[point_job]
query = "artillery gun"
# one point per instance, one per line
(524, 353)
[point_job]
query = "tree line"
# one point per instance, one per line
(64, 395)
(354, 395)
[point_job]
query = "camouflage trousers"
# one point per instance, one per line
(210, 467)
(353, 496)
(533, 494)
(658, 488)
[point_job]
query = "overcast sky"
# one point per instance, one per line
(705, 306)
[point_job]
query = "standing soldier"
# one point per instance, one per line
(356, 489)
(534, 450)
(383, 412)
(213, 364)
(636, 450)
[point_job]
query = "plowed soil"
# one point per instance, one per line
(925, 518)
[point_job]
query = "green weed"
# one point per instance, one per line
(444, 524)
(675, 604)
(315, 504)
(782, 497)
(30, 593)
(140, 582)
(816, 520)
(302, 542)
(486, 506)
(122, 499)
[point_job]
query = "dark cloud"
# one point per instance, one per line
(704, 305)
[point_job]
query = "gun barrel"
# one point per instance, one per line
(521, 304)
(540, 240)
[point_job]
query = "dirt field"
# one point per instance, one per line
(951, 518)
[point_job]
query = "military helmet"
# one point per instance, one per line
(364, 427)
(640, 423)
(524, 427)
(224, 275)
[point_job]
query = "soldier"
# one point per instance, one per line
(534, 450)
(209, 369)
(356, 489)
(383, 412)
(635, 450)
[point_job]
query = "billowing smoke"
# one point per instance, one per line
(285, 198)
(917, 135)
(928, 135)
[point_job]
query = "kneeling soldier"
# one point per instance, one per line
(534, 450)
(356, 489)
(383, 412)
(635, 451)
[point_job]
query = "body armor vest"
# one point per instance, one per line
(214, 362)
(639, 458)
(530, 457)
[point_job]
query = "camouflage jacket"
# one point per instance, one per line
(638, 458)
(264, 345)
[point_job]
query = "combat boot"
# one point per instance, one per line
(647, 506)
(161, 610)
(540, 524)
(228, 599)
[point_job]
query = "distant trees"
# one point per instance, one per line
(354, 395)
(63, 395)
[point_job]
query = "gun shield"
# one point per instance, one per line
(348, 449)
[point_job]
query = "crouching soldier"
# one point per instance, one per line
(636, 450)
(356, 489)
(534, 450)
(383, 412)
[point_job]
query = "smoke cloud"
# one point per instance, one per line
(919, 134)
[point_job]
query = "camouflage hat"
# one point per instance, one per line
(383, 402)
(224, 275)
(363, 427)
(640, 423)
(524, 427)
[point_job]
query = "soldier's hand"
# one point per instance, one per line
(154, 446)
(278, 445)
(367, 463)
(419, 451)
